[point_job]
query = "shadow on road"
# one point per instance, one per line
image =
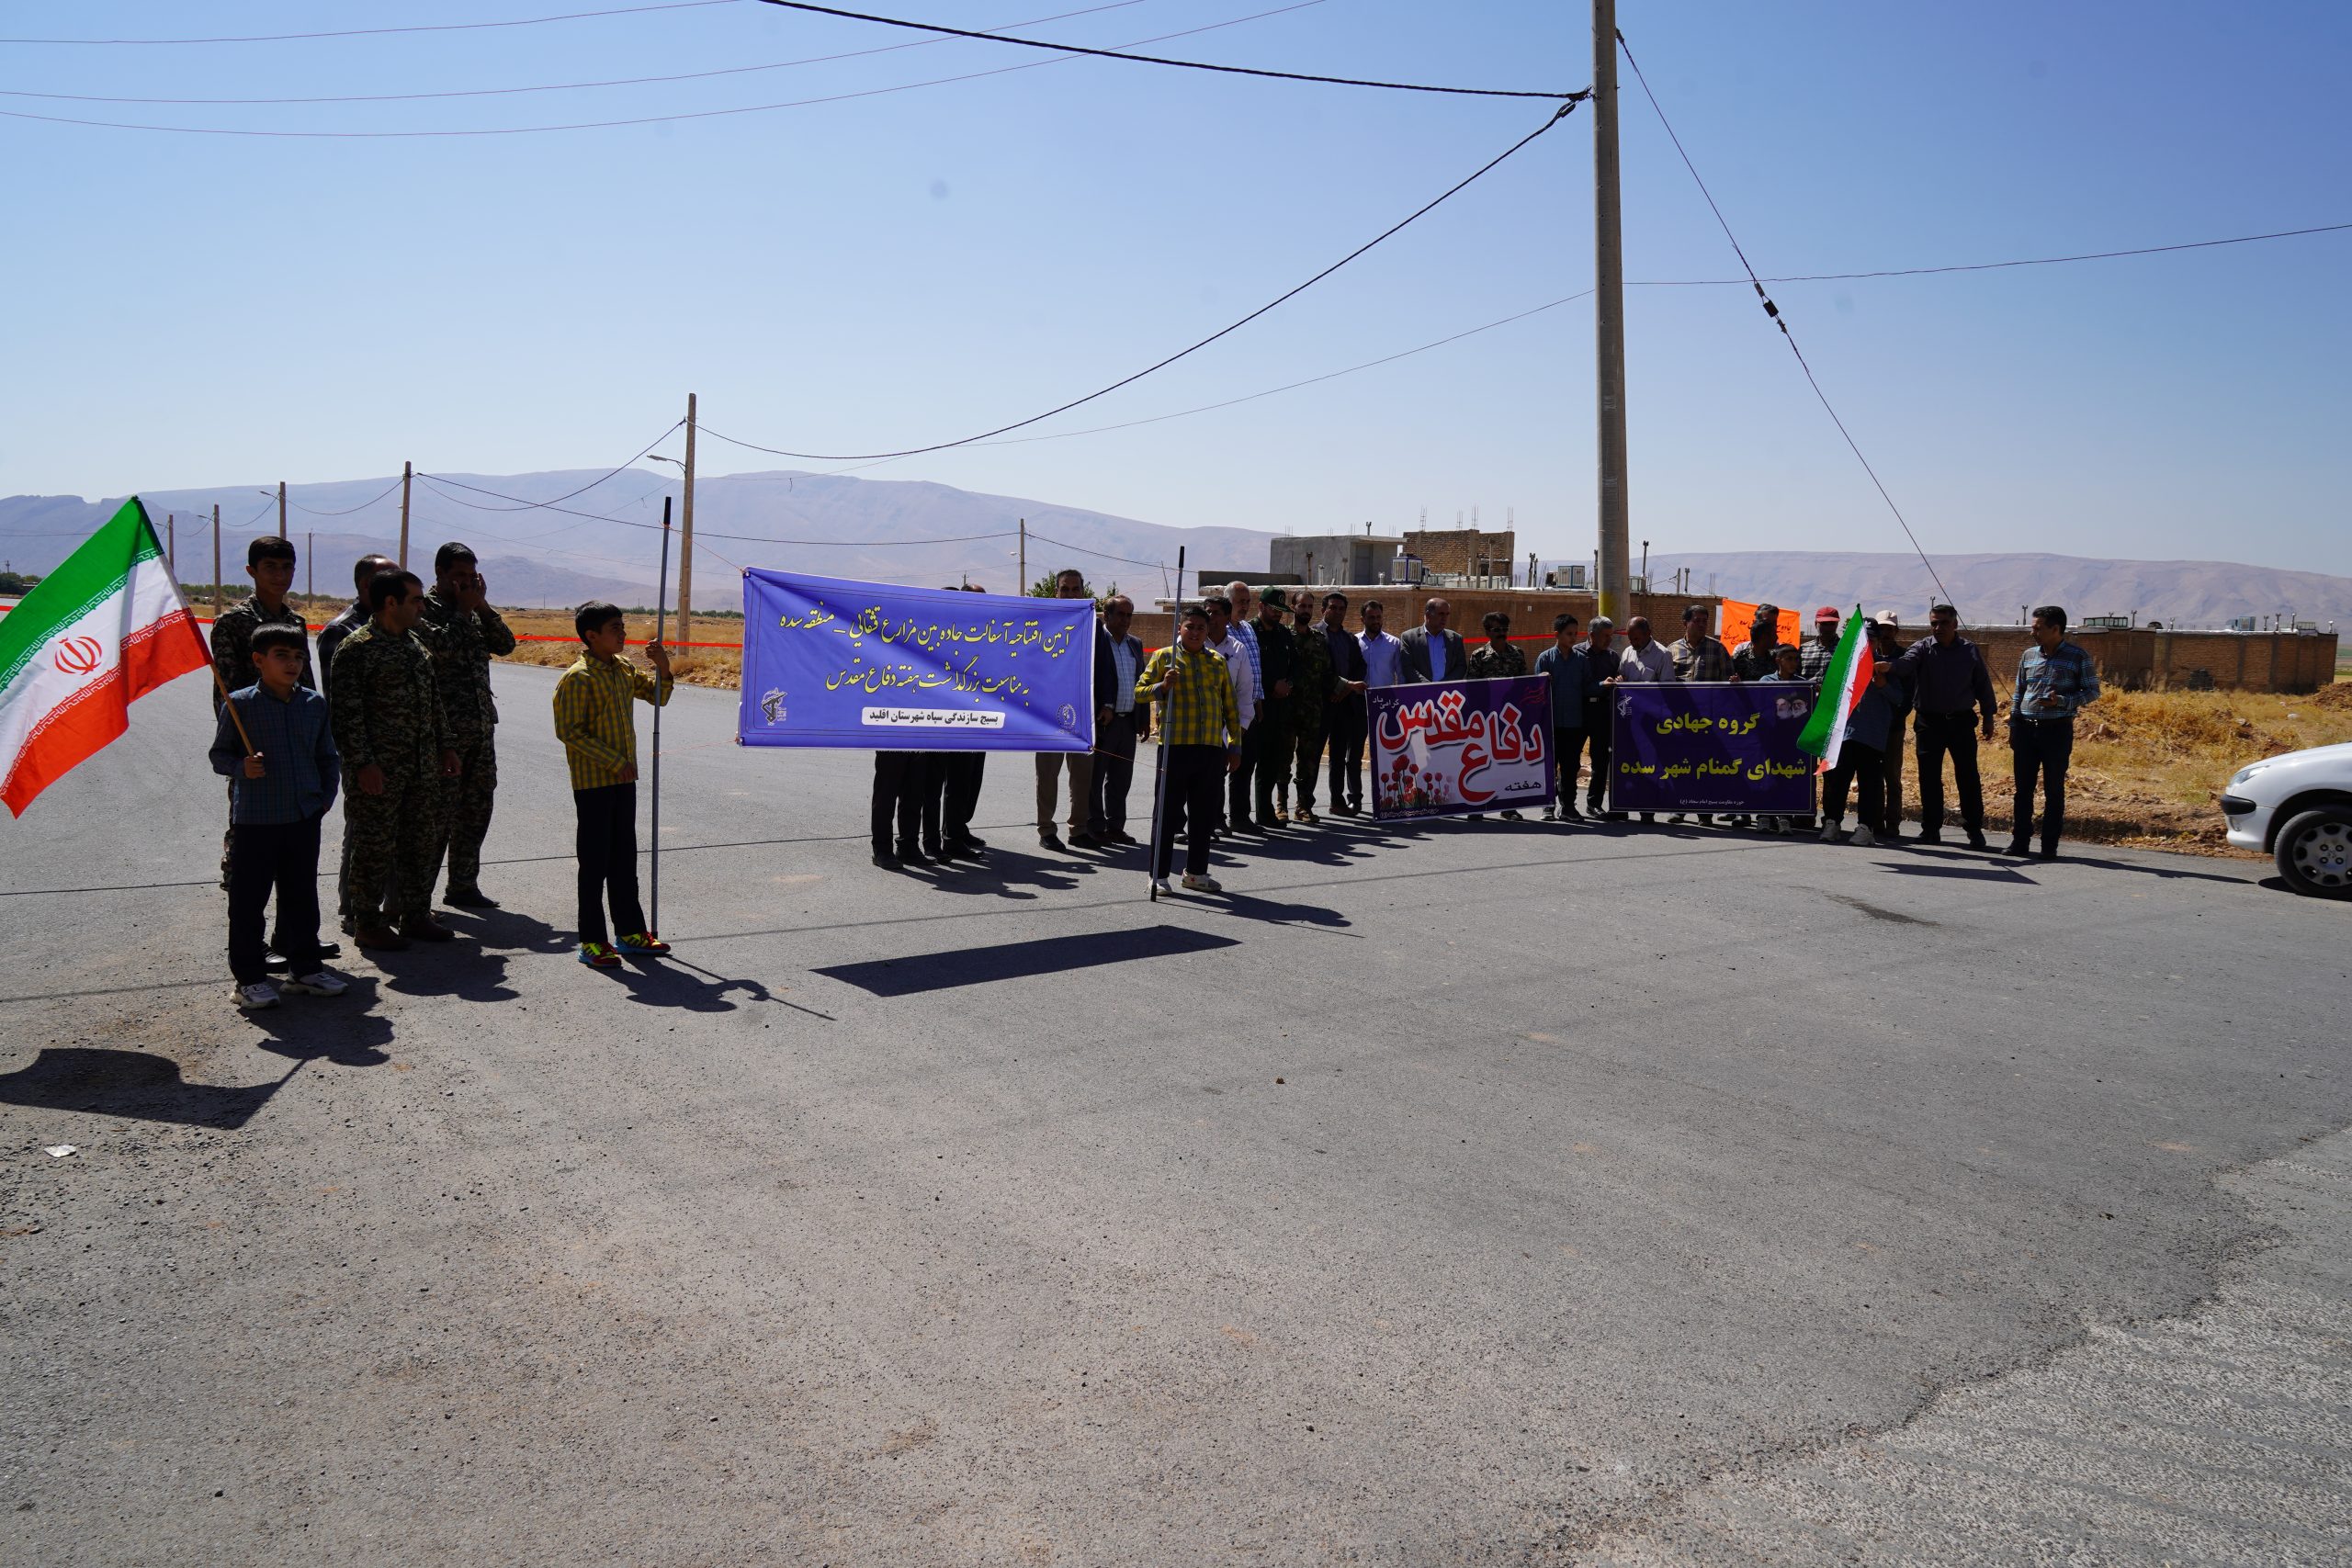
(133, 1084)
(1018, 961)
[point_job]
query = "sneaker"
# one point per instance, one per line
(1551, 814)
(318, 983)
(644, 941)
(596, 956)
(1203, 883)
(1160, 888)
(272, 959)
(1775, 823)
(424, 927)
(1513, 817)
(469, 898)
(1677, 818)
(1829, 832)
(1863, 838)
(256, 995)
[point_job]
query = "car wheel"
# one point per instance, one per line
(2314, 853)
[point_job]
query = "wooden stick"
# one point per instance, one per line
(661, 605)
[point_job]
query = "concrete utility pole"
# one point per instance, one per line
(1021, 571)
(686, 539)
(172, 541)
(408, 472)
(281, 509)
(1608, 312)
(217, 605)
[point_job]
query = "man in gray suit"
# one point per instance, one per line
(1432, 652)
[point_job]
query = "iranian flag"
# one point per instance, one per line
(1842, 685)
(98, 634)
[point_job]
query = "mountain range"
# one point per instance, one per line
(561, 537)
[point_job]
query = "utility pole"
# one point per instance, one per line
(1021, 570)
(281, 509)
(217, 605)
(408, 472)
(687, 540)
(1609, 311)
(172, 541)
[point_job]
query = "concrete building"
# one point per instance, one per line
(1473, 555)
(1333, 557)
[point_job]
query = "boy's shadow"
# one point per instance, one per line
(473, 967)
(344, 1029)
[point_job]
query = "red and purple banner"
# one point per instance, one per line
(1711, 748)
(1447, 748)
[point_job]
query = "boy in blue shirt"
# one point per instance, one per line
(279, 791)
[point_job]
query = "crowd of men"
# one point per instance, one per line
(1260, 702)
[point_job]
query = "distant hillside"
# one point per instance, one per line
(1994, 588)
(884, 530)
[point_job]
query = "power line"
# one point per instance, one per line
(1963, 266)
(559, 86)
(1773, 312)
(592, 484)
(609, 124)
(1557, 115)
(1154, 59)
(347, 510)
(378, 32)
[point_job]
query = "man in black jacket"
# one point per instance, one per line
(1432, 652)
(1347, 711)
(1278, 665)
(1119, 720)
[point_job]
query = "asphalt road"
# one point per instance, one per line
(1485, 1193)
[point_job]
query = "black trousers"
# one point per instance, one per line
(930, 782)
(1598, 739)
(280, 858)
(1194, 774)
(960, 795)
(1863, 768)
(1114, 772)
(898, 797)
(1890, 815)
(1935, 735)
(2043, 747)
(1567, 745)
(606, 844)
(1237, 787)
(1345, 774)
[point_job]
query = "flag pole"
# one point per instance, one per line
(1160, 746)
(661, 607)
(187, 614)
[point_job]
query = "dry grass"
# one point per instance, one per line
(721, 667)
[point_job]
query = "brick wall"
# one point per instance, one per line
(1464, 550)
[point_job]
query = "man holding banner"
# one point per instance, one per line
(1069, 584)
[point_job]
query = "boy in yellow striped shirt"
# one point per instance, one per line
(595, 719)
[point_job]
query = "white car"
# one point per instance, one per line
(2298, 809)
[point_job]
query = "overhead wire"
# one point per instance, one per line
(348, 510)
(1773, 312)
(700, 533)
(1555, 118)
(562, 87)
(618, 123)
(1154, 60)
(592, 484)
(1970, 267)
(379, 32)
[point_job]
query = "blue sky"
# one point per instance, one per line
(910, 267)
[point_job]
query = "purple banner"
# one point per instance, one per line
(1444, 748)
(1711, 748)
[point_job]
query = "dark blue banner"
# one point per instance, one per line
(1711, 748)
(874, 666)
(1446, 748)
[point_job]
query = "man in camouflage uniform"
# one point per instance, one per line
(1311, 705)
(388, 724)
(1278, 661)
(465, 633)
(1492, 660)
(269, 561)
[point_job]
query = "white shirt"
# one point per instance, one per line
(1384, 657)
(1236, 668)
(1651, 663)
(1123, 658)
